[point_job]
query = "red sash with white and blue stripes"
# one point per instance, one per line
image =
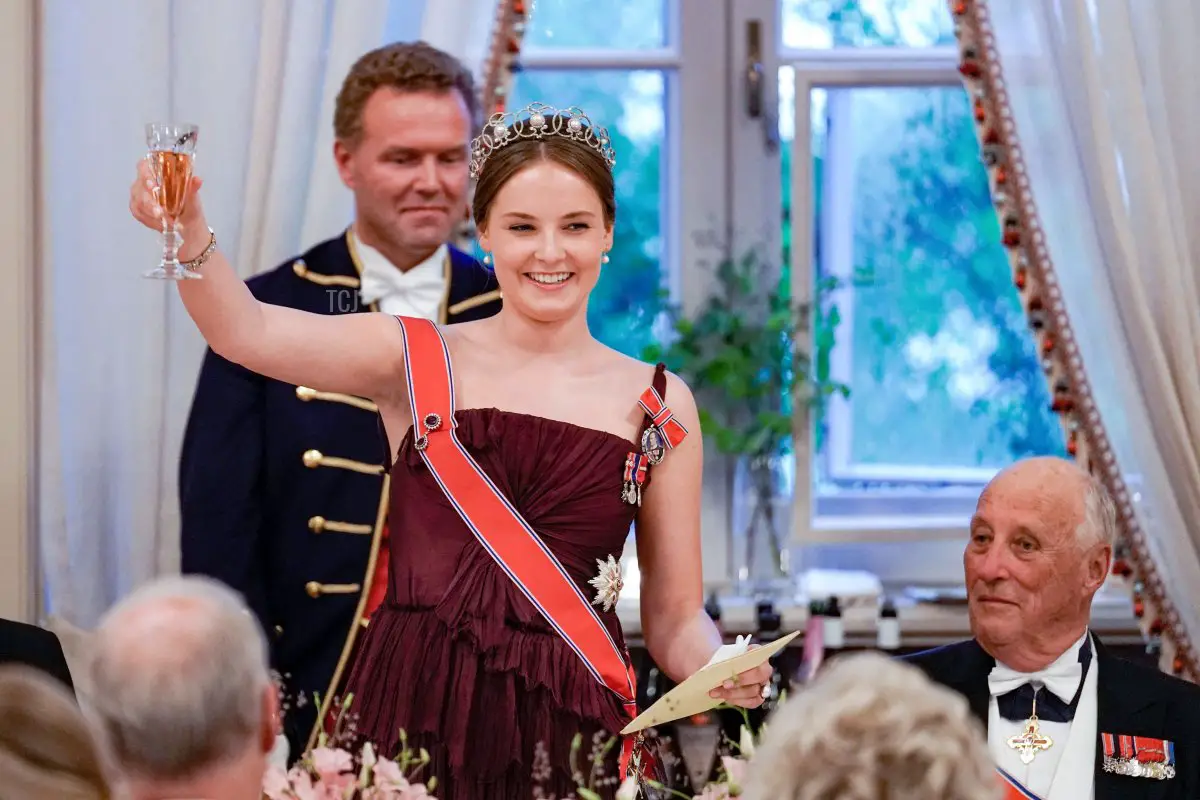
(1013, 790)
(497, 524)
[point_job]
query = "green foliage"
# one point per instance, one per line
(585, 24)
(945, 369)
(925, 247)
(738, 354)
(891, 23)
(928, 268)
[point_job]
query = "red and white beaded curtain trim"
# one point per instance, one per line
(502, 59)
(1041, 297)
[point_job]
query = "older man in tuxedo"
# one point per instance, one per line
(283, 488)
(1065, 718)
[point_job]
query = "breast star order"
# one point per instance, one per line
(608, 583)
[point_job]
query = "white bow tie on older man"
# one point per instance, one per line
(417, 292)
(1062, 679)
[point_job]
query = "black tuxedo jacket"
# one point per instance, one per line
(281, 487)
(21, 643)
(1131, 699)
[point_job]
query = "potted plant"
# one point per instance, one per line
(739, 355)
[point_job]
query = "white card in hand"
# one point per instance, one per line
(691, 696)
(741, 645)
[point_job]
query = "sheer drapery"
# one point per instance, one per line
(119, 356)
(462, 28)
(1107, 143)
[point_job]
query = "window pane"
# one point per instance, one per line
(934, 344)
(820, 24)
(609, 25)
(630, 103)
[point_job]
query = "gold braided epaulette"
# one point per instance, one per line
(475, 302)
(302, 271)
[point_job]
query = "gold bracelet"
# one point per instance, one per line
(199, 260)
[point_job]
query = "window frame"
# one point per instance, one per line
(696, 80)
(863, 516)
(838, 239)
(669, 61)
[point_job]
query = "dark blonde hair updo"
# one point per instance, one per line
(510, 159)
(47, 748)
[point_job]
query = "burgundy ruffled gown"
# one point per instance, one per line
(456, 655)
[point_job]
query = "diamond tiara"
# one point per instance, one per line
(537, 121)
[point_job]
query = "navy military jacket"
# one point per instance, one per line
(282, 487)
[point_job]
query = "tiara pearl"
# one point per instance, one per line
(538, 121)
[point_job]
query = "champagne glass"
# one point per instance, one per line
(171, 153)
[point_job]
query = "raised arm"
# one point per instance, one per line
(356, 354)
(678, 632)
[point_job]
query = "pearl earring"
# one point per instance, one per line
(604, 258)
(487, 258)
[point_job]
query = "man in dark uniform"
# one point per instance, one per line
(283, 489)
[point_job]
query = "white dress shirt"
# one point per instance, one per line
(419, 292)
(1067, 770)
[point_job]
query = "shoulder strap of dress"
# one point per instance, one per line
(660, 385)
(661, 430)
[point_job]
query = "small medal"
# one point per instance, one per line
(653, 445)
(662, 434)
(635, 476)
(1139, 756)
(1031, 740)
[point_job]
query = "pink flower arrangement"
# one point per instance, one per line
(733, 775)
(734, 768)
(330, 772)
(733, 771)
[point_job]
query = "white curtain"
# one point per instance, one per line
(1106, 117)
(119, 357)
(463, 28)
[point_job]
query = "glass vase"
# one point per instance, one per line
(760, 527)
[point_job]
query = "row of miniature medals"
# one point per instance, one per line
(663, 433)
(1123, 755)
(654, 449)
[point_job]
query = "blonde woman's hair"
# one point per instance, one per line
(47, 749)
(872, 728)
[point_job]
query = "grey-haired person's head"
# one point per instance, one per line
(181, 681)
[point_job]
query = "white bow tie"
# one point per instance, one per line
(1061, 679)
(417, 283)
